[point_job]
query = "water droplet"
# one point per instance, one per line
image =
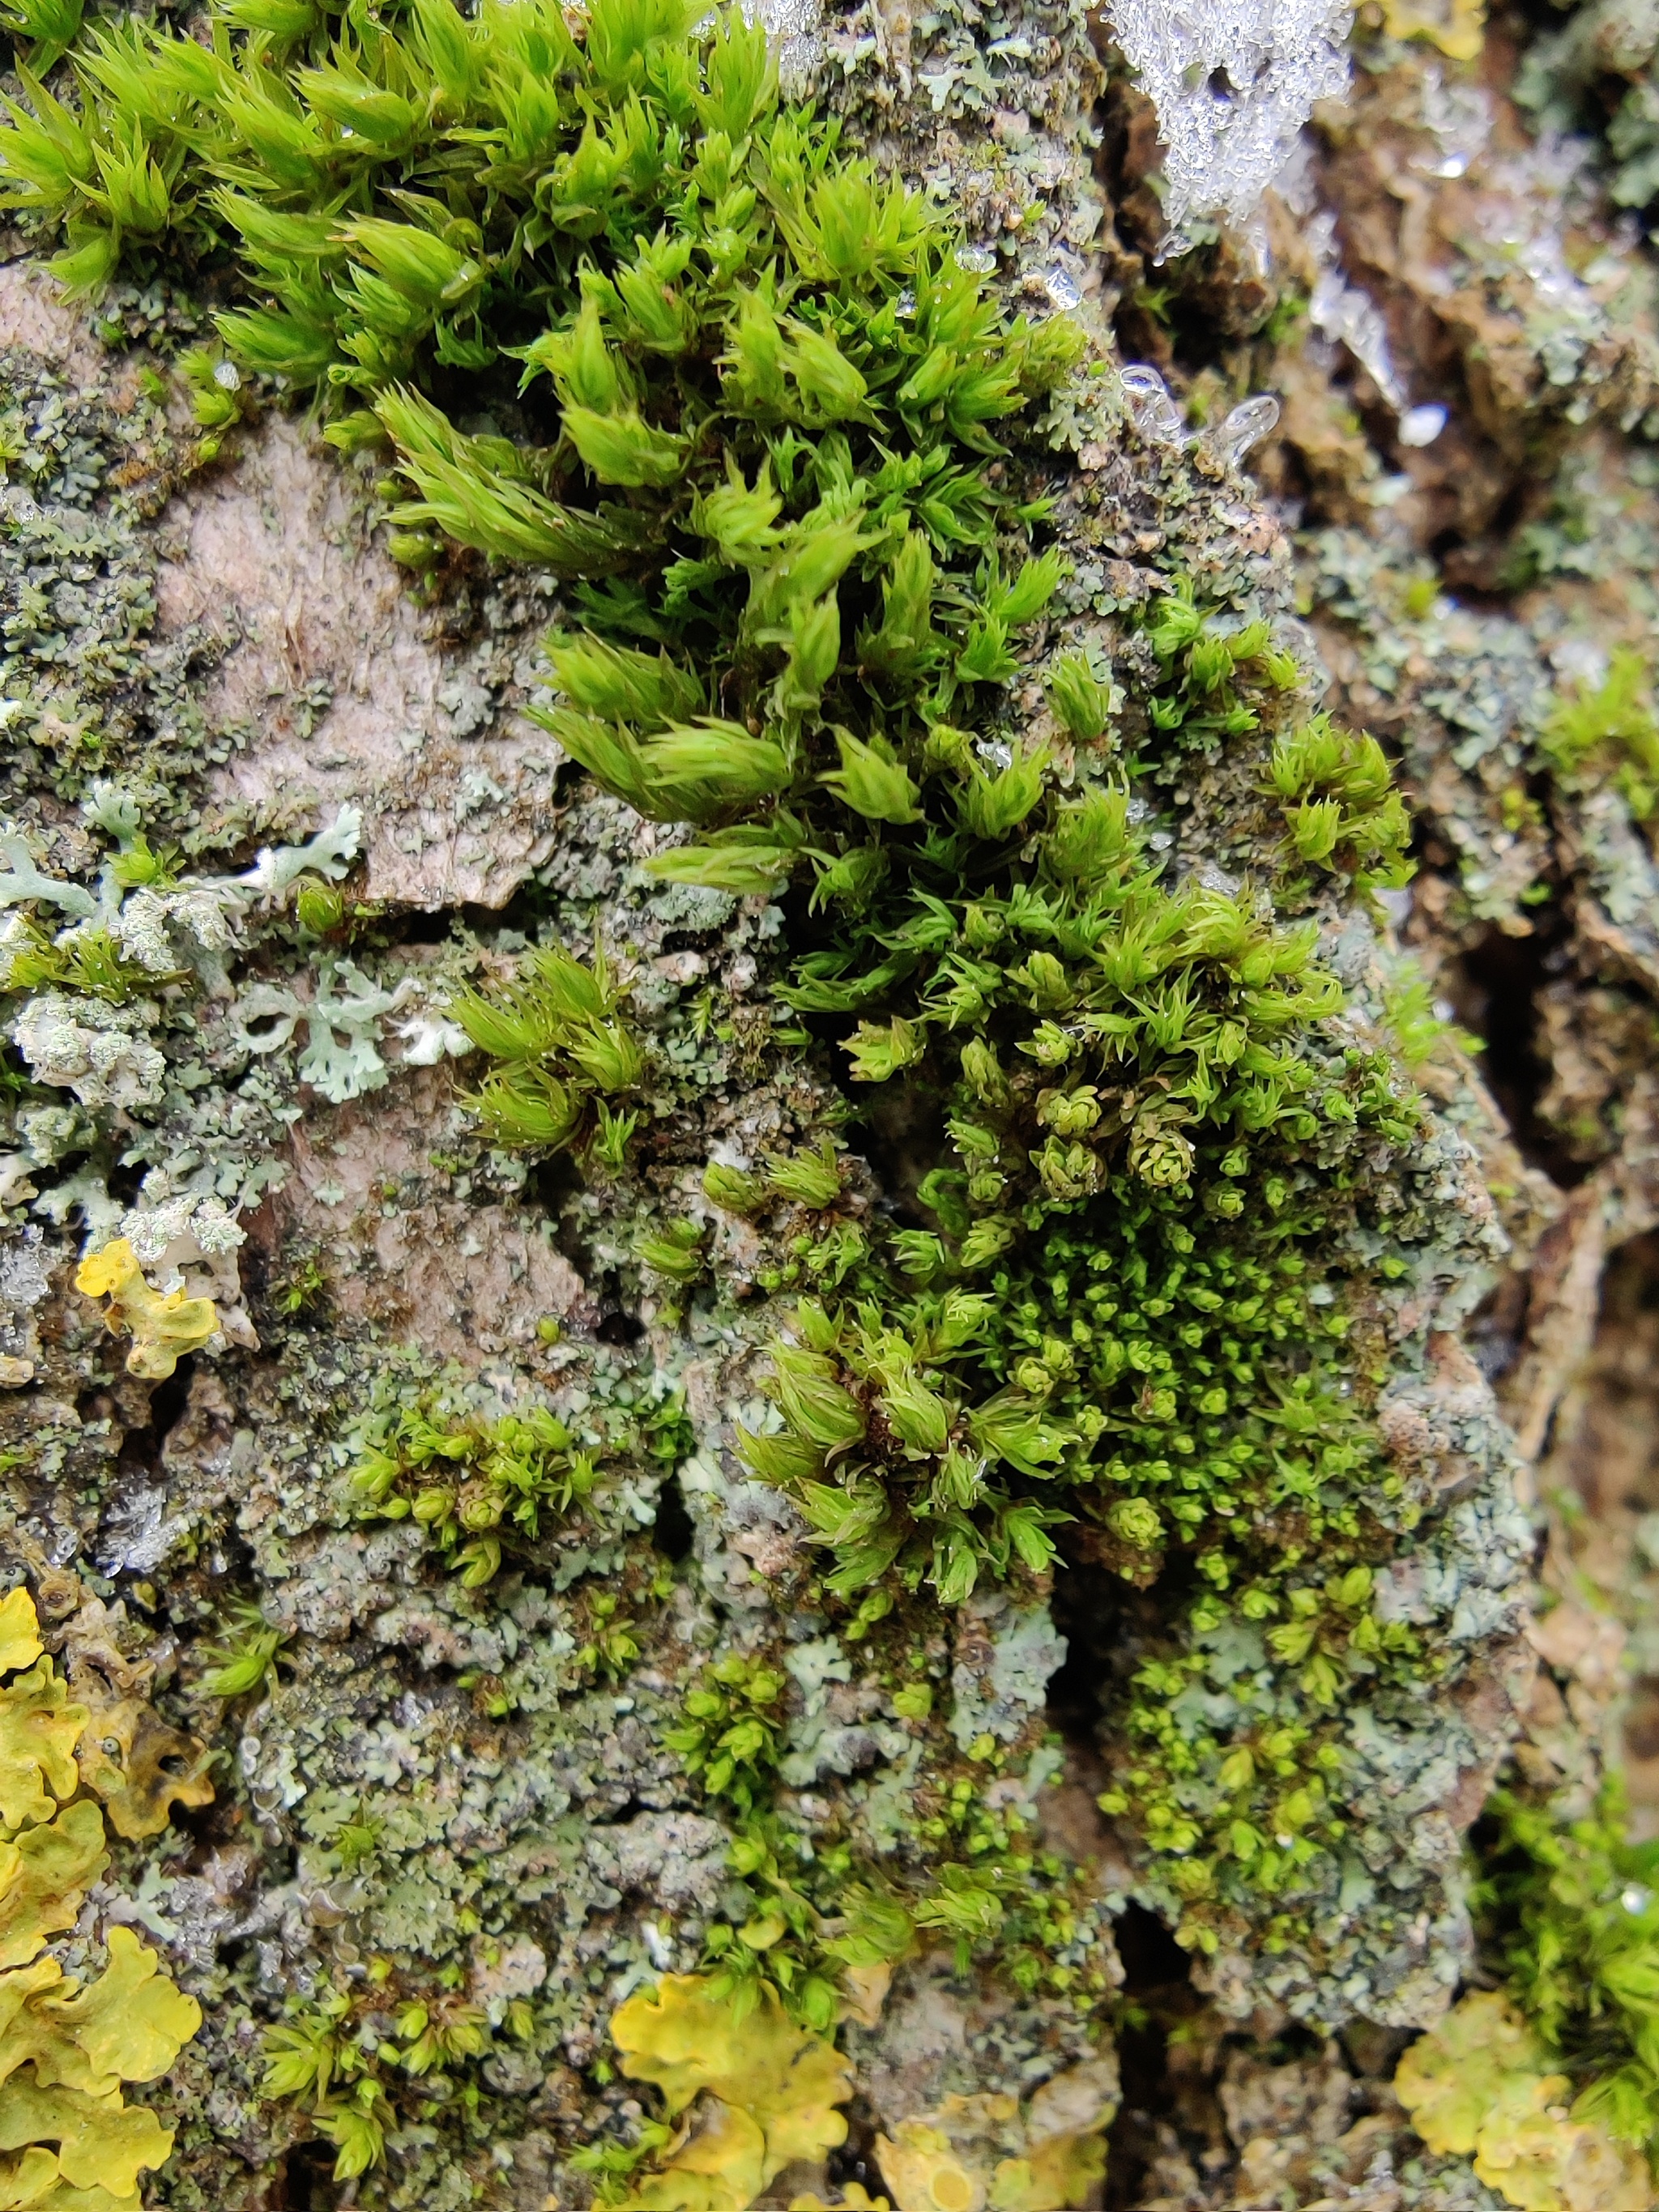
(226, 377)
(905, 303)
(1250, 421)
(1635, 1898)
(1421, 426)
(1152, 412)
(978, 260)
(1063, 290)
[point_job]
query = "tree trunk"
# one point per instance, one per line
(421, 1794)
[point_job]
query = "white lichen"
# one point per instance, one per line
(90, 1049)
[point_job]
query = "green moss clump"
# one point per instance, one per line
(1609, 733)
(331, 2053)
(1569, 1912)
(824, 1915)
(475, 1485)
(1341, 805)
(561, 1054)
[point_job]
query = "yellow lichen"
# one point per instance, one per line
(19, 1632)
(1480, 2085)
(854, 2198)
(139, 1766)
(164, 1325)
(39, 1731)
(66, 2048)
(1456, 27)
(45, 1872)
(924, 2172)
(981, 2152)
(754, 2093)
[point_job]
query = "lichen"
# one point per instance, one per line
(164, 1326)
(1479, 2083)
(975, 2152)
(67, 2047)
(753, 2092)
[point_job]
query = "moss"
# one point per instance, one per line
(559, 1048)
(346, 2061)
(1609, 731)
(473, 1485)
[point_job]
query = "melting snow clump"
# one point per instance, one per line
(1233, 82)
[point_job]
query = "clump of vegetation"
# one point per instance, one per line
(1213, 678)
(562, 1054)
(767, 372)
(359, 2061)
(246, 1658)
(476, 1486)
(1609, 732)
(825, 1925)
(1416, 1027)
(729, 1737)
(1340, 805)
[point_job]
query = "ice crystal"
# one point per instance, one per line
(1348, 317)
(1249, 423)
(795, 26)
(1151, 410)
(1233, 86)
(1421, 426)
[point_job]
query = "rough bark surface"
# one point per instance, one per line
(239, 645)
